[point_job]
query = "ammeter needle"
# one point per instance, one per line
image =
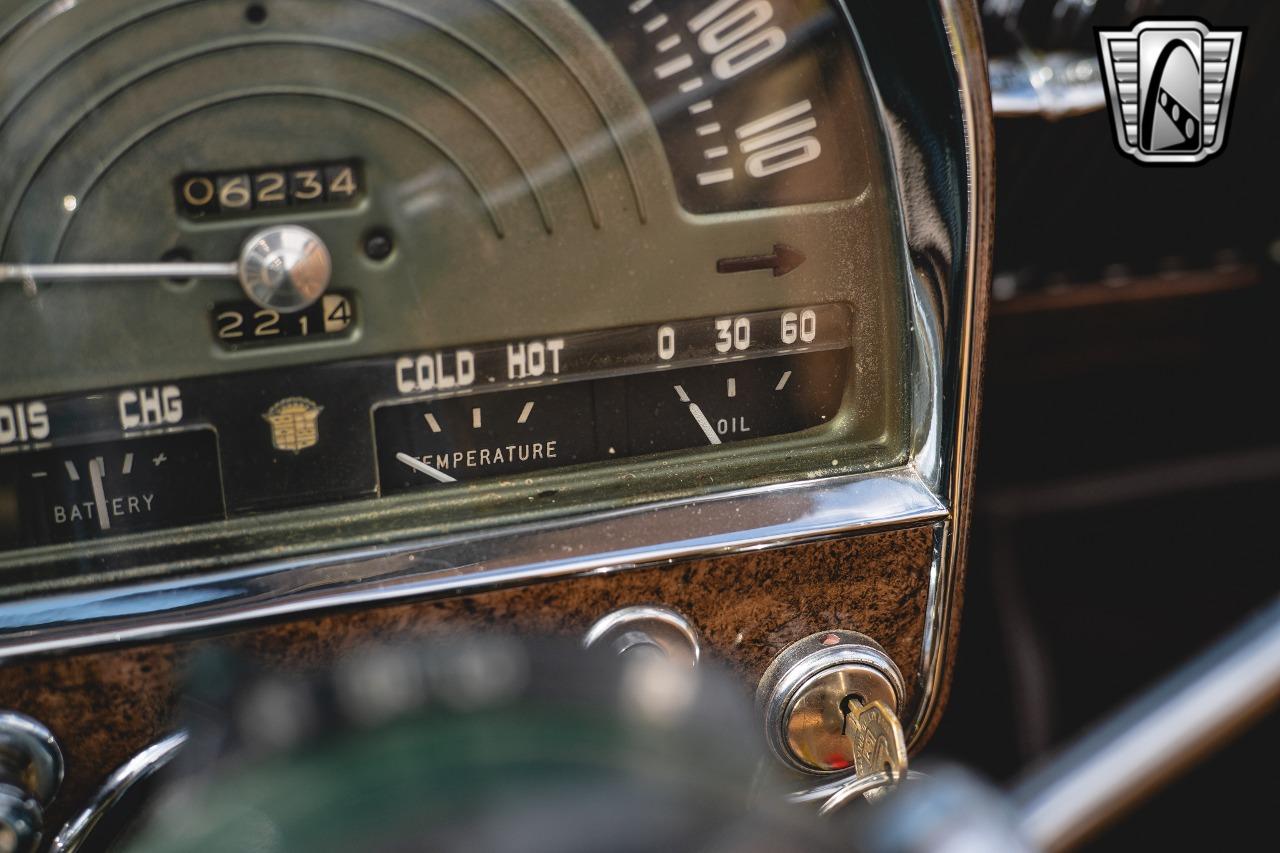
(99, 496)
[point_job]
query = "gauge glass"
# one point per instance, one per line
(445, 259)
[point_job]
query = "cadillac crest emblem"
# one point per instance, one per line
(294, 424)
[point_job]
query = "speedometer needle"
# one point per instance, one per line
(696, 411)
(281, 268)
(163, 269)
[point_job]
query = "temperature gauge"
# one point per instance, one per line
(484, 435)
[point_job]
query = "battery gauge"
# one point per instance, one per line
(69, 494)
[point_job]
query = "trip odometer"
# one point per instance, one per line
(432, 260)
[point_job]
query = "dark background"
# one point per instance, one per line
(1129, 459)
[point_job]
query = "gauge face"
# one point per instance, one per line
(89, 490)
(755, 102)
(774, 383)
(292, 254)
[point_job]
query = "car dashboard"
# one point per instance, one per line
(336, 323)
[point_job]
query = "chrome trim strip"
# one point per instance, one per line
(963, 32)
(948, 305)
(142, 766)
(1046, 85)
(749, 519)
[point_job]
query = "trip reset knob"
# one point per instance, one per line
(644, 629)
(811, 687)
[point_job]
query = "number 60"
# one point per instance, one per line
(804, 327)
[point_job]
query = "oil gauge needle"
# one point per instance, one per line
(419, 465)
(99, 496)
(696, 411)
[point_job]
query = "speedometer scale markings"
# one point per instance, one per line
(754, 97)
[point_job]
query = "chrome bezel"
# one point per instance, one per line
(948, 314)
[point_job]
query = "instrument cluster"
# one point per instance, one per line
(464, 261)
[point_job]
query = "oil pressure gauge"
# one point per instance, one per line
(734, 401)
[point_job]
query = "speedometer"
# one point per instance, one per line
(405, 265)
(757, 103)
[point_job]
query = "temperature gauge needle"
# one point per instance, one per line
(696, 411)
(99, 495)
(419, 465)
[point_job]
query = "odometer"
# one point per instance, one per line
(445, 257)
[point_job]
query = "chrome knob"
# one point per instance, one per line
(809, 690)
(639, 630)
(285, 268)
(30, 774)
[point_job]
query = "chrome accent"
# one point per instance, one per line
(966, 313)
(822, 669)
(111, 271)
(137, 769)
(39, 750)
(1142, 746)
(947, 299)
(285, 268)
(31, 768)
(1047, 85)
(606, 542)
(630, 629)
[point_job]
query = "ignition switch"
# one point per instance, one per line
(809, 691)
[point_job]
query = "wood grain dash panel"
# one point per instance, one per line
(104, 706)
